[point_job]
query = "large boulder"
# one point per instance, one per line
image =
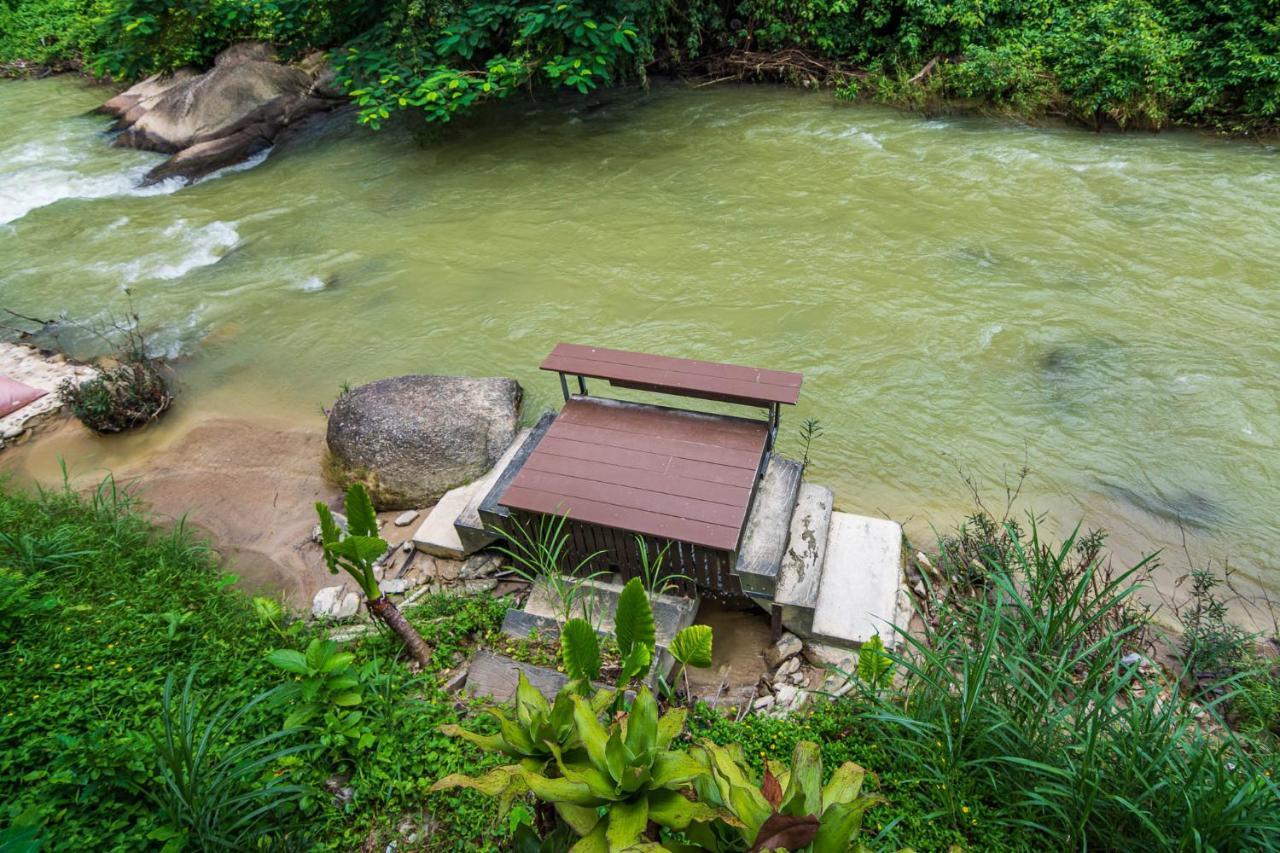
(410, 439)
(222, 116)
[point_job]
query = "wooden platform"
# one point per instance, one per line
(666, 473)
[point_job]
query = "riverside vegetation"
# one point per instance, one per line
(148, 703)
(1141, 63)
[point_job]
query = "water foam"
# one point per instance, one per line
(185, 248)
(70, 164)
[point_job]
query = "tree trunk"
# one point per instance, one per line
(394, 619)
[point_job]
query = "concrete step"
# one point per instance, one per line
(542, 612)
(437, 534)
(801, 569)
(472, 533)
(764, 537)
(862, 578)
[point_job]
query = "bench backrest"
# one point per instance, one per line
(729, 383)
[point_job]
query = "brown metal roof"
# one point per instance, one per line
(708, 380)
(646, 469)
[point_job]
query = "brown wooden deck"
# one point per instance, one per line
(665, 473)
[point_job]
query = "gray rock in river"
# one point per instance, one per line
(410, 439)
(223, 116)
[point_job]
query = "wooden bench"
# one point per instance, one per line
(707, 380)
(679, 479)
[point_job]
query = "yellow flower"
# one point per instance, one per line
(974, 821)
(57, 666)
(964, 809)
(89, 667)
(128, 669)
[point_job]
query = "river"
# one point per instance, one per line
(960, 293)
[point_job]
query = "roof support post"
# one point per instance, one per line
(775, 418)
(582, 385)
(564, 386)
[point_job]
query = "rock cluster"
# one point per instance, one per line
(213, 119)
(37, 369)
(405, 576)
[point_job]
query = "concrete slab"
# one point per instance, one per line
(801, 569)
(437, 535)
(472, 532)
(863, 572)
(600, 603)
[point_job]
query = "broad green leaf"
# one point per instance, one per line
(530, 703)
(494, 783)
(580, 650)
(676, 811)
(329, 535)
(290, 660)
(361, 519)
(841, 825)
(346, 699)
(318, 652)
(674, 769)
(803, 794)
(560, 790)
(642, 726)
(627, 821)
(845, 785)
(513, 733)
(591, 733)
(637, 663)
(337, 662)
(692, 646)
(585, 773)
(581, 819)
(670, 726)
(593, 843)
(615, 756)
(633, 621)
(489, 743)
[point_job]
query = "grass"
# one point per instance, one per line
(112, 607)
(137, 709)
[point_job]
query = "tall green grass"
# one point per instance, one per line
(1016, 708)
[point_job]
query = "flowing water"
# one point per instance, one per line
(959, 293)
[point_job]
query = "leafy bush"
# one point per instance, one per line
(120, 397)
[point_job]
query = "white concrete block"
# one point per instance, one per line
(437, 535)
(858, 594)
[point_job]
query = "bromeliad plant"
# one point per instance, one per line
(610, 785)
(355, 551)
(789, 810)
(619, 785)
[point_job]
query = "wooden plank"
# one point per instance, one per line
(698, 451)
(654, 482)
(659, 379)
(691, 367)
(622, 517)
(645, 461)
(663, 422)
(667, 504)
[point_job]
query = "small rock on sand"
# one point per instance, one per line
(406, 518)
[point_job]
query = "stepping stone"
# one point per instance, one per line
(801, 570)
(858, 595)
(764, 537)
(471, 528)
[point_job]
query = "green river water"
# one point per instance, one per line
(958, 293)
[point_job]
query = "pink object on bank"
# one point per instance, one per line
(14, 395)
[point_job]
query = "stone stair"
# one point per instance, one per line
(826, 576)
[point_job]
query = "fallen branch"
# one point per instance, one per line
(927, 70)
